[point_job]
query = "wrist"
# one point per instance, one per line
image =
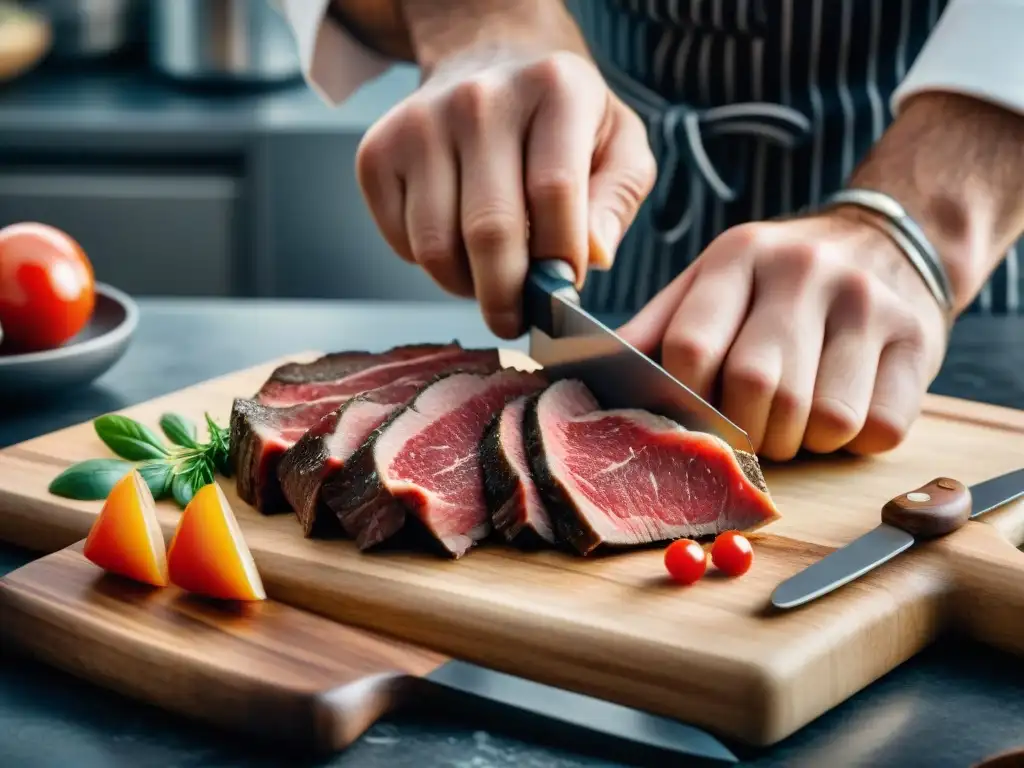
(949, 161)
(443, 29)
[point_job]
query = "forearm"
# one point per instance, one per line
(955, 164)
(377, 24)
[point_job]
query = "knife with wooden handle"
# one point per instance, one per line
(288, 676)
(935, 509)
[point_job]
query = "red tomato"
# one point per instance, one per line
(47, 287)
(685, 560)
(731, 553)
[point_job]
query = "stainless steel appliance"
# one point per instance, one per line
(222, 42)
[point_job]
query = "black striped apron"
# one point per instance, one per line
(755, 109)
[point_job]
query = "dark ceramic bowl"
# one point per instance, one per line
(78, 362)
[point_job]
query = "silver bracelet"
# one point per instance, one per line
(907, 235)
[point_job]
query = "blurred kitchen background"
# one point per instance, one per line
(177, 141)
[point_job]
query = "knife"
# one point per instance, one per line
(572, 344)
(935, 509)
(576, 718)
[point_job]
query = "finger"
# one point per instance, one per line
(846, 373)
(709, 316)
(800, 337)
(493, 209)
(647, 328)
(750, 377)
(559, 152)
(622, 175)
(432, 220)
(896, 399)
(384, 191)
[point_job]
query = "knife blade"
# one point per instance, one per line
(929, 516)
(585, 717)
(570, 343)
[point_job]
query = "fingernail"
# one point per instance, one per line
(609, 230)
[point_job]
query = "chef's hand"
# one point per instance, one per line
(502, 129)
(818, 331)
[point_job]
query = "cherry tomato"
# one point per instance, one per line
(731, 553)
(47, 287)
(686, 561)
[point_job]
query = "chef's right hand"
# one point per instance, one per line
(507, 126)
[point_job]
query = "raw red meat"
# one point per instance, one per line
(516, 509)
(344, 374)
(628, 477)
(264, 427)
(325, 448)
(424, 462)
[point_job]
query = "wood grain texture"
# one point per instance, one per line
(612, 626)
(265, 669)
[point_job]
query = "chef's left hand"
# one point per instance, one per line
(818, 331)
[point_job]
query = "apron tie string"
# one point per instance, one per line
(680, 135)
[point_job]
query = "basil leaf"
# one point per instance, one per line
(90, 480)
(179, 430)
(181, 489)
(158, 476)
(129, 439)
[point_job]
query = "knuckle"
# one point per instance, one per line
(858, 297)
(371, 155)
(798, 261)
(885, 428)
(472, 102)
(833, 416)
(687, 353)
(489, 229)
(552, 187)
(788, 400)
(559, 71)
(432, 248)
(414, 127)
(748, 379)
(745, 236)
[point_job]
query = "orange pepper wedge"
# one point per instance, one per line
(208, 555)
(126, 538)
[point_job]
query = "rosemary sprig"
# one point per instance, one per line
(175, 471)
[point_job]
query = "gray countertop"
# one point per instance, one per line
(950, 706)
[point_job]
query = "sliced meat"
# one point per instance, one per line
(629, 477)
(345, 374)
(424, 463)
(515, 506)
(325, 448)
(261, 432)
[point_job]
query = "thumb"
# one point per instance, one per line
(622, 176)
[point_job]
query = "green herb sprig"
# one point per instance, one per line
(176, 471)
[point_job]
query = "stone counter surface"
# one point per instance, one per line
(951, 706)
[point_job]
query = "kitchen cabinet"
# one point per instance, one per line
(151, 233)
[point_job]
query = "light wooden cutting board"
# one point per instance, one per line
(713, 655)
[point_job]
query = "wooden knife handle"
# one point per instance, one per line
(264, 669)
(935, 509)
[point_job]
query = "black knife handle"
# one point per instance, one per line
(547, 278)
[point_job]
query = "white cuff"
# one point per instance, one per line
(974, 50)
(334, 63)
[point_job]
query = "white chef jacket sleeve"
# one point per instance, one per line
(334, 63)
(974, 50)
